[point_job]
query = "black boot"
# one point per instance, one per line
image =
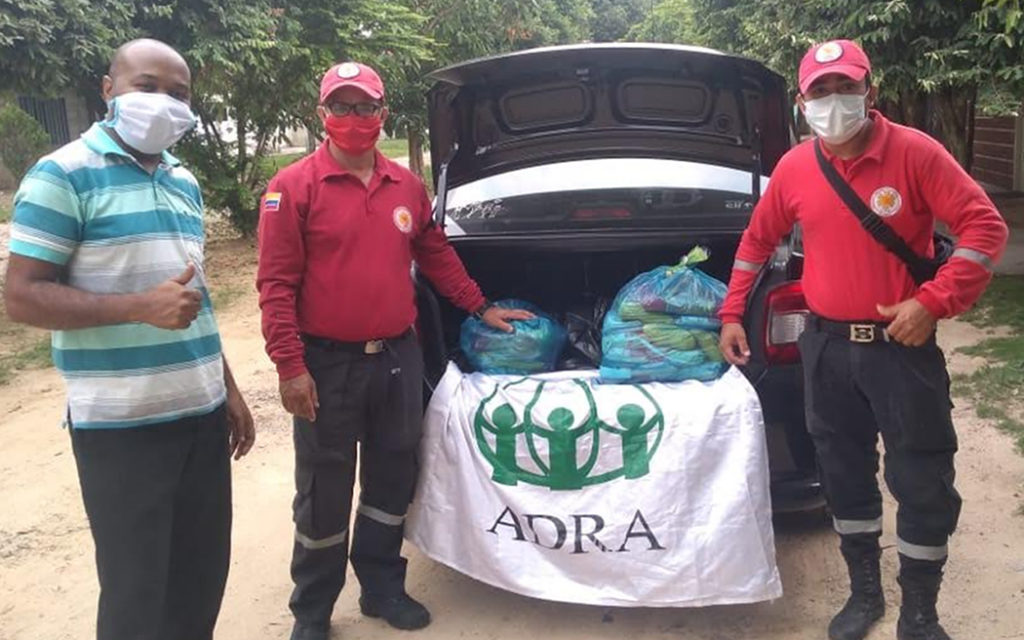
(920, 580)
(401, 611)
(310, 632)
(867, 603)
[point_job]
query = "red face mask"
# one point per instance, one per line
(353, 134)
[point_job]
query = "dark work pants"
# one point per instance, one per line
(853, 392)
(376, 400)
(159, 504)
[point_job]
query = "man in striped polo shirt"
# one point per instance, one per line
(107, 252)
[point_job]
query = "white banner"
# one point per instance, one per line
(561, 488)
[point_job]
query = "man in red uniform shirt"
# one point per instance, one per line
(870, 359)
(339, 231)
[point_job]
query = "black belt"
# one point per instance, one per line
(370, 347)
(860, 332)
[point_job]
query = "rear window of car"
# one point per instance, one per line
(607, 193)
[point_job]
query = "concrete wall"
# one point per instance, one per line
(79, 118)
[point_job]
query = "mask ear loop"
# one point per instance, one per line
(114, 108)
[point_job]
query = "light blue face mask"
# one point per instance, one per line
(150, 122)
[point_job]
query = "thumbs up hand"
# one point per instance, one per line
(172, 305)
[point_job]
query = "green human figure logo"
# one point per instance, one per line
(562, 431)
(633, 429)
(505, 430)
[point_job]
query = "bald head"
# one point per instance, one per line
(150, 66)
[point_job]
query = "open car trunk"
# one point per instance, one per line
(560, 281)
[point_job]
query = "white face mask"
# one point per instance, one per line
(836, 118)
(150, 122)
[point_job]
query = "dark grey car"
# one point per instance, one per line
(563, 172)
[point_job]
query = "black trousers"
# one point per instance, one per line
(376, 401)
(159, 505)
(853, 392)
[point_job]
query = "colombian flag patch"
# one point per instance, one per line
(272, 201)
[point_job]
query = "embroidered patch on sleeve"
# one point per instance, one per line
(272, 201)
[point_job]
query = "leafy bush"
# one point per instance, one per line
(22, 140)
(226, 187)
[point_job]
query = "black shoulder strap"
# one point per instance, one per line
(919, 268)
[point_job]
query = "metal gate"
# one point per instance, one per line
(52, 113)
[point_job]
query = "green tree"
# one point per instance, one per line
(257, 62)
(49, 45)
(671, 21)
(929, 57)
(465, 29)
(613, 19)
(260, 66)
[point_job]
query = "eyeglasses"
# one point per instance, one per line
(361, 109)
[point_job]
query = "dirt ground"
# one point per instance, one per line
(48, 586)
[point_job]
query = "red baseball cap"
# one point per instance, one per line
(351, 74)
(836, 56)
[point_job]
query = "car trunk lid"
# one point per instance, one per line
(548, 105)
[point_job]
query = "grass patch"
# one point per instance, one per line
(997, 388)
(1001, 306)
(32, 356)
(5, 214)
(224, 296)
(269, 165)
(394, 147)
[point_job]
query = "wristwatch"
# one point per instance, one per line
(484, 308)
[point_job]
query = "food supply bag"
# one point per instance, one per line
(663, 326)
(534, 347)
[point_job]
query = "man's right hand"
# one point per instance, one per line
(172, 305)
(298, 395)
(734, 344)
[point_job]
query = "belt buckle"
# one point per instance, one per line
(862, 333)
(373, 347)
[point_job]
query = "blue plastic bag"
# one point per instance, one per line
(535, 346)
(663, 326)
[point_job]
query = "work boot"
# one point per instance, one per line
(920, 580)
(866, 604)
(401, 611)
(310, 632)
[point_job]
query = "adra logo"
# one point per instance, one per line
(559, 440)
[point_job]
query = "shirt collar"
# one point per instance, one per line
(879, 137)
(98, 138)
(328, 166)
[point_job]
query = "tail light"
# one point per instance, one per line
(786, 316)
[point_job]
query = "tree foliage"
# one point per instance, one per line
(256, 62)
(49, 45)
(465, 29)
(260, 64)
(613, 20)
(24, 139)
(930, 58)
(667, 21)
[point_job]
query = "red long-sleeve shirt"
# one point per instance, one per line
(336, 256)
(907, 178)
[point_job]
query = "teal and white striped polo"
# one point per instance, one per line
(119, 229)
